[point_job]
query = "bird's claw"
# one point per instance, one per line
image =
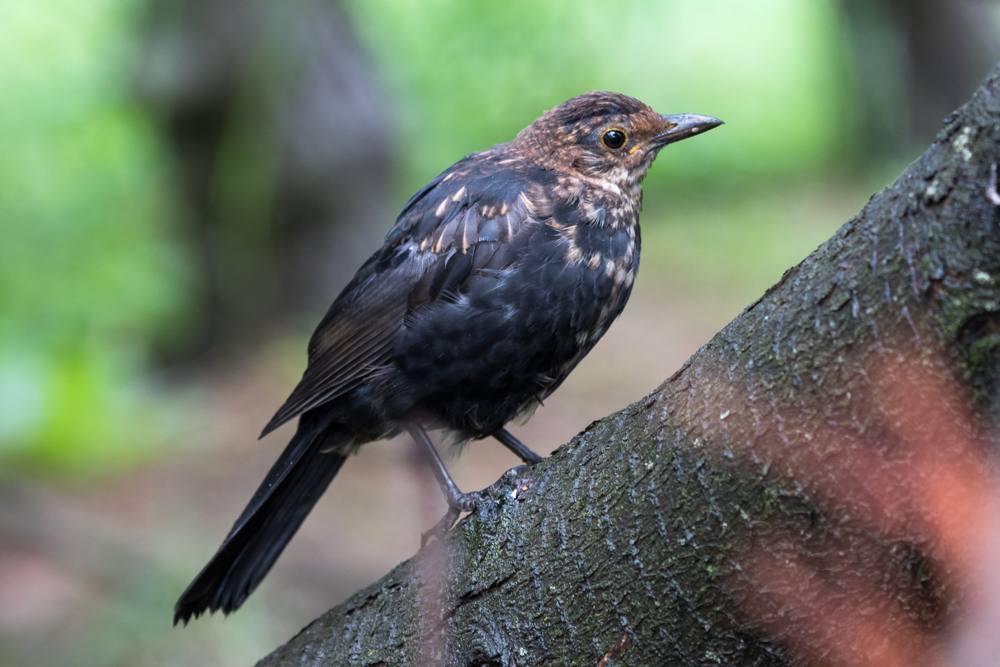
(457, 503)
(441, 527)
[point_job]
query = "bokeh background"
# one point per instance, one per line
(185, 185)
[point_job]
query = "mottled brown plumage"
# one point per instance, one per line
(495, 280)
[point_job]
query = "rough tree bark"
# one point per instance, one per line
(817, 485)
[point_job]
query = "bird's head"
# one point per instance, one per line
(606, 135)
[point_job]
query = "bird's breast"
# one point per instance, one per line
(600, 262)
(607, 241)
(509, 338)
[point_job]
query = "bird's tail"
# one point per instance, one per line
(280, 505)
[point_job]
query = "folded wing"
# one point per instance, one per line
(465, 223)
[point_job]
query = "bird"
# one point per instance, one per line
(495, 280)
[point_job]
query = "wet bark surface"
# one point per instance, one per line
(816, 485)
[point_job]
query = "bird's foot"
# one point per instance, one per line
(467, 502)
(457, 503)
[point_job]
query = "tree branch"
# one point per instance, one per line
(816, 485)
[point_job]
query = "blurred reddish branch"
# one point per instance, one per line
(816, 486)
(923, 491)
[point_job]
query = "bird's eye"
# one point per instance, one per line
(614, 139)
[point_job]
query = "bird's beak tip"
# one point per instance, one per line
(682, 126)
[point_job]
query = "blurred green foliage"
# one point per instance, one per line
(472, 74)
(90, 266)
(87, 267)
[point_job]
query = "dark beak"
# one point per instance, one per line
(682, 126)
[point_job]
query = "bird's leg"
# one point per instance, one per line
(508, 440)
(462, 502)
(459, 502)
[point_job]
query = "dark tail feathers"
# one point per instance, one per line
(277, 509)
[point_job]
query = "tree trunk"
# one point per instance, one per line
(817, 485)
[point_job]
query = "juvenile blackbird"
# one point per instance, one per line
(494, 282)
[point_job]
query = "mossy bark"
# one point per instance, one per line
(803, 490)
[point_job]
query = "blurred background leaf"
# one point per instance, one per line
(88, 263)
(777, 67)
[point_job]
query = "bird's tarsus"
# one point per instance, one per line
(507, 439)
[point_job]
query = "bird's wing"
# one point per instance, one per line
(464, 223)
